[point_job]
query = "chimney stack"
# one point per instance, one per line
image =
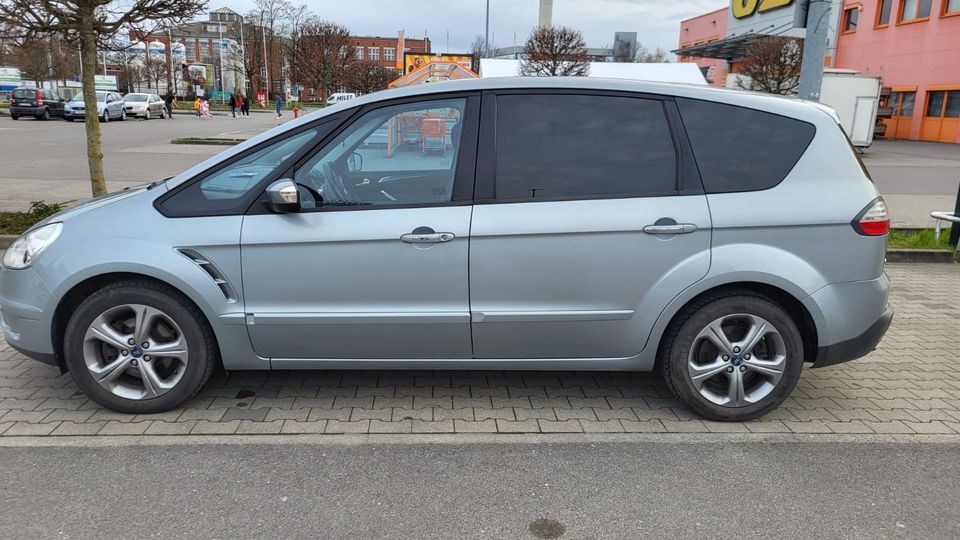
(546, 13)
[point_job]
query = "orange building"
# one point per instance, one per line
(914, 45)
(706, 28)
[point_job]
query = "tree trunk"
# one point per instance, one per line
(88, 59)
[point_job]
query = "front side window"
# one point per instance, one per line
(397, 155)
(225, 190)
(560, 146)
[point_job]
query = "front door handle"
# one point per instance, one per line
(679, 228)
(426, 235)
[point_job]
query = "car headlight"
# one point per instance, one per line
(26, 249)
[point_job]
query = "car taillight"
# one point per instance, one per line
(874, 220)
(39, 98)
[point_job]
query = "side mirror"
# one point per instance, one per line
(283, 196)
(355, 162)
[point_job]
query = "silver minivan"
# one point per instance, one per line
(722, 238)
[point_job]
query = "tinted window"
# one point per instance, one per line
(556, 145)
(404, 154)
(225, 190)
(740, 149)
(25, 94)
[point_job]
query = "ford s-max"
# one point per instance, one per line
(722, 238)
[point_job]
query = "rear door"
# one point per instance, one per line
(589, 219)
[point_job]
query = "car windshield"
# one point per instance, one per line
(101, 97)
(135, 97)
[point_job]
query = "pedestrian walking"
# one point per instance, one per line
(279, 106)
(245, 106)
(205, 109)
(233, 105)
(196, 106)
(169, 101)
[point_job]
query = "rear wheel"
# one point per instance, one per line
(45, 115)
(139, 347)
(163, 114)
(732, 356)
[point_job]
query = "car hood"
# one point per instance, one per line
(93, 204)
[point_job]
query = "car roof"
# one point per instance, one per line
(784, 106)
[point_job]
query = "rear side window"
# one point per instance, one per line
(739, 149)
(569, 146)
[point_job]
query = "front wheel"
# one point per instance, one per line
(14, 117)
(139, 347)
(106, 116)
(732, 356)
(146, 115)
(163, 114)
(123, 115)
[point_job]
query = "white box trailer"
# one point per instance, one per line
(855, 98)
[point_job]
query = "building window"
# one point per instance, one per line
(358, 53)
(850, 18)
(951, 7)
(883, 12)
(389, 53)
(915, 10)
(373, 53)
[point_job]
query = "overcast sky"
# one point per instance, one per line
(657, 22)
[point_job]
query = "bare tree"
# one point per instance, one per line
(154, 71)
(555, 50)
(479, 49)
(366, 76)
(296, 16)
(324, 55)
(89, 23)
(625, 51)
(272, 24)
(772, 65)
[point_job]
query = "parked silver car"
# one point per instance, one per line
(722, 238)
(110, 106)
(143, 105)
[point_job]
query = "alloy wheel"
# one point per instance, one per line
(135, 351)
(737, 360)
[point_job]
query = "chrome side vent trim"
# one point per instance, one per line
(211, 270)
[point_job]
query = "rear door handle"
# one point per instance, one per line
(427, 238)
(679, 228)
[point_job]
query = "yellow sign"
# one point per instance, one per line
(742, 9)
(415, 61)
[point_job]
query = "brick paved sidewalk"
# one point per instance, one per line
(910, 385)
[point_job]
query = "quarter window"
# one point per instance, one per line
(560, 146)
(225, 191)
(397, 155)
(740, 149)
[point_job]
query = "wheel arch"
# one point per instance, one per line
(83, 289)
(789, 302)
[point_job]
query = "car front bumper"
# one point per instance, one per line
(26, 314)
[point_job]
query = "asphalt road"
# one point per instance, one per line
(47, 160)
(521, 487)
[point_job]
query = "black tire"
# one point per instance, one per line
(123, 115)
(45, 115)
(14, 117)
(106, 116)
(680, 337)
(201, 344)
(69, 118)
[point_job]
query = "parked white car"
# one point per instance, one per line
(146, 106)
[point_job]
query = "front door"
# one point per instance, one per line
(578, 226)
(375, 264)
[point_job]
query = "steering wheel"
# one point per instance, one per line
(334, 179)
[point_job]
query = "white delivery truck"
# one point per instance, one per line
(855, 98)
